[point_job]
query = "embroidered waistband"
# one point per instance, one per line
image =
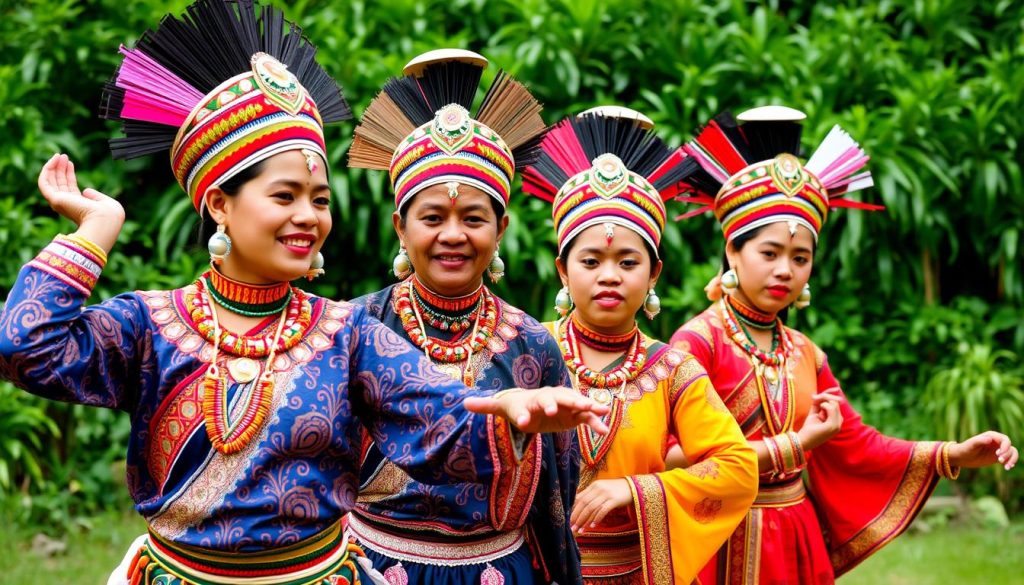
(446, 554)
(311, 561)
(781, 495)
(606, 555)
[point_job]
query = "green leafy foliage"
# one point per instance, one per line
(933, 89)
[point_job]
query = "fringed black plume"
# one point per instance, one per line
(406, 103)
(767, 139)
(186, 57)
(571, 146)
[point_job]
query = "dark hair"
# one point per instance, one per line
(231, 187)
(564, 256)
(499, 210)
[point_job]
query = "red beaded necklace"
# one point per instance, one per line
(601, 341)
(231, 437)
(447, 351)
(447, 313)
(633, 362)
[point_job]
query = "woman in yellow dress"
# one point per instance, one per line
(635, 522)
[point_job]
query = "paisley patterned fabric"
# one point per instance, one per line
(521, 354)
(140, 353)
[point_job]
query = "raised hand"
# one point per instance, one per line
(984, 449)
(544, 410)
(595, 502)
(98, 217)
(823, 420)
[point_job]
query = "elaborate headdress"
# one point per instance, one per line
(419, 127)
(223, 87)
(605, 166)
(749, 175)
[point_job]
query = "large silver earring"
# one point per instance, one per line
(804, 300)
(730, 281)
(563, 301)
(652, 305)
(496, 269)
(219, 245)
(401, 265)
(316, 267)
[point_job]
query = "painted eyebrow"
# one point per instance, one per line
(778, 246)
(297, 186)
(595, 250)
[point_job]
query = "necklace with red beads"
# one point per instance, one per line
(449, 352)
(227, 436)
(601, 386)
(447, 313)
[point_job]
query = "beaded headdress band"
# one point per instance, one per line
(223, 87)
(749, 175)
(419, 128)
(605, 167)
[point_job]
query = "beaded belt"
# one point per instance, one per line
(607, 555)
(781, 495)
(447, 554)
(327, 557)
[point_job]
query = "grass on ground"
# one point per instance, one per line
(946, 555)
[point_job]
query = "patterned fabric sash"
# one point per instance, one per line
(325, 559)
(781, 495)
(446, 554)
(608, 555)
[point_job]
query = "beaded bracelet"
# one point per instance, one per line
(799, 456)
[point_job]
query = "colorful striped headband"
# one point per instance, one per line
(221, 111)
(746, 195)
(582, 171)
(420, 130)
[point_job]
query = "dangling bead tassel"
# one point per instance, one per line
(652, 305)
(563, 301)
(496, 269)
(219, 245)
(804, 300)
(730, 281)
(316, 268)
(401, 266)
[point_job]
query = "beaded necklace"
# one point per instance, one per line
(601, 383)
(439, 350)
(445, 313)
(250, 300)
(750, 316)
(229, 437)
(601, 341)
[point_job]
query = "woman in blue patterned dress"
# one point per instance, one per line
(246, 395)
(451, 197)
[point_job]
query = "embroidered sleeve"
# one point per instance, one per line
(686, 514)
(53, 348)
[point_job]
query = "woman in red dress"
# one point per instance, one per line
(862, 488)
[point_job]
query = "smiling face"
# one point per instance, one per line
(450, 242)
(773, 266)
(277, 221)
(608, 282)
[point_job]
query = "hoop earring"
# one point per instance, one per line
(401, 266)
(316, 267)
(804, 300)
(219, 245)
(652, 305)
(730, 281)
(563, 301)
(496, 269)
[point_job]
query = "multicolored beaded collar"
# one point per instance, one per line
(600, 341)
(604, 382)
(250, 300)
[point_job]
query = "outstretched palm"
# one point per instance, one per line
(99, 217)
